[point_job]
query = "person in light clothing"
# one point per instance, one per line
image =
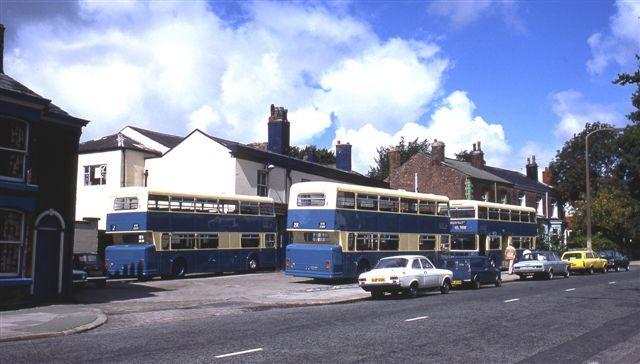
(510, 255)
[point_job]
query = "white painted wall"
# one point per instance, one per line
(91, 200)
(198, 165)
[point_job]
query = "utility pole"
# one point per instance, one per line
(588, 192)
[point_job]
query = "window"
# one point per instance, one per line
(270, 240)
(188, 204)
(249, 208)
(515, 216)
(516, 241)
(95, 175)
(494, 214)
(183, 241)
(125, 203)
(408, 206)
(590, 256)
(445, 242)
(526, 243)
(346, 200)
(427, 242)
(249, 240)
(317, 237)
(483, 213)
(157, 202)
(207, 206)
(389, 204)
(463, 213)
(389, 242)
(311, 199)
(351, 241)
(11, 223)
(367, 242)
(425, 264)
(443, 209)
(263, 183)
(13, 149)
(416, 264)
(524, 216)
(427, 207)
(165, 240)
(391, 263)
(367, 202)
(504, 215)
(495, 243)
(208, 241)
(463, 242)
(228, 207)
(266, 209)
(532, 217)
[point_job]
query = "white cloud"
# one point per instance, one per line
(462, 13)
(574, 112)
(453, 122)
(620, 42)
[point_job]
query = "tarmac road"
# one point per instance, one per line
(579, 319)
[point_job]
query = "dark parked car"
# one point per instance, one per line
(615, 260)
(93, 266)
(473, 270)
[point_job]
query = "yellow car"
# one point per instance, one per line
(585, 261)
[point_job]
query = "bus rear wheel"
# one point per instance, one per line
(179, 268)
(252, 264)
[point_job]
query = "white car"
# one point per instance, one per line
(404, 273)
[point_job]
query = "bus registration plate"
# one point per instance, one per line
(377, 280)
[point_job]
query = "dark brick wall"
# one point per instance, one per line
(432, 178)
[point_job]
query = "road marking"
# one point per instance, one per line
(614, 282)
(512, 300)
(416, 318)
(569, 289)
(238, 353)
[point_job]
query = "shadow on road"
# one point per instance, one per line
(115, 291)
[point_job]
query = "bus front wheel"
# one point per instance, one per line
(252, 264)
(179, 268)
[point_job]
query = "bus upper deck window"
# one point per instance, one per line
(504, 215)
(367, 202)
(205, 205)
(482, 213)
(346, 200)
(266, 209)
(249, 208)
(515, 216)
(524, 216)
(494, 214)
(408, 206)
(311, 199)
(388, 204)
(157, 202)
(443, 209)
(463, 213)
(427, 207)
(228, 207)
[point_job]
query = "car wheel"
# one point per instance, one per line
(252, 264)
(376, 295)
(476, 283)
(590, 270)
(604, 270)
(617, 268)
(567, 273)
(498, 281)
(550, 274)
(179, 268)
(627, 268)
(412, 292)
(446, 286)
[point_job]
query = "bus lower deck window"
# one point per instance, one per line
(389, 242)
(346, 200)
(427, 242)
(516, 242)
(463, 242)
(445, 242)
(317, 237)
(367, 242)
(269, 240)
(208, 241)
(165, 240)
(249, 240)
(183, 241)
(351, 241)
(494, 242)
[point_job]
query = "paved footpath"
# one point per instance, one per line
(47, 321)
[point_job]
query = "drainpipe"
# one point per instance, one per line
(415, 182)
(122, 168)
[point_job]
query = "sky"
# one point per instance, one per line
(521, 77)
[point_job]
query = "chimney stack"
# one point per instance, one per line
(343, 156)
(437, 152)
(394, 161)
(546, 177)
(2, 48)
(278, 131)
(532, 168)
(477, 156)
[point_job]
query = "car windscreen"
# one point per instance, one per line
(572, 256)
(391, 263)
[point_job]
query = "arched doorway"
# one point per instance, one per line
(48, 254)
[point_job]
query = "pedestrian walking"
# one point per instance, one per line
(510, 255)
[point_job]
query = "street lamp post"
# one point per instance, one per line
(588, 187)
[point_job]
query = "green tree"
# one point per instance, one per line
(407, 150)
(464, 156)
(568, 167)
(629, 141)
(320, 155)
(632, 79)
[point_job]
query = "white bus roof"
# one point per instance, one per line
(333, 187)
(138, 191)
(475, 204)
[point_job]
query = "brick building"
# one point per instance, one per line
(474, 180)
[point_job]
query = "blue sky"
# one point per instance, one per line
(521, 77)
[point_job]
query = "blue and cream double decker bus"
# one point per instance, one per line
(341, 230)
(486, 228)
(170, 234)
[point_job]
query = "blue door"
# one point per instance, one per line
(47, 264)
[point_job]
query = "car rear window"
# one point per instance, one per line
(477, 263)
(572, 256)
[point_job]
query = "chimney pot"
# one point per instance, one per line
(479, 145)
(437, 152)
(474, 147)
(394, 161)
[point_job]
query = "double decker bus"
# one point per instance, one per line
(486, 228)
(341, 230)
(170, 234)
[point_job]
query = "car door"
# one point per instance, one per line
(418, 273)
(589, 260)
(431, 277)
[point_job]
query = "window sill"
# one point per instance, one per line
(20, 186)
